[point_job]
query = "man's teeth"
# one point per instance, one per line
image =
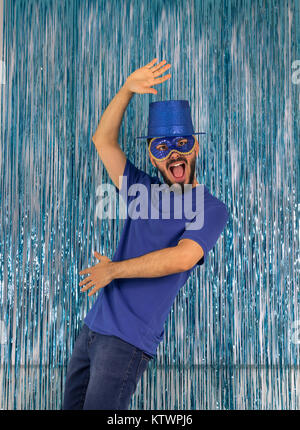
(178, 164)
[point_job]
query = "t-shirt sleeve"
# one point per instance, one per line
(132, 175)
(215, 220)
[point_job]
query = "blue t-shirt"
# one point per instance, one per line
(135, 309)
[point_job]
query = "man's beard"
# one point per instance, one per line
(190, 179)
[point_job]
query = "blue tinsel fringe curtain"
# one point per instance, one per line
(232, 337)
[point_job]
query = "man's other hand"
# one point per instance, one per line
(100, 274)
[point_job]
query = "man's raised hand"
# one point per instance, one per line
(144, 78)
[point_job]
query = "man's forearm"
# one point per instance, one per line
(110, 122)
(163, 262)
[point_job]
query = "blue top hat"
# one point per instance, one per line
(170, 118)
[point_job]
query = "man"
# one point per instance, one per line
(155, 255)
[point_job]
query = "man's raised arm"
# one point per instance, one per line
(107, 133)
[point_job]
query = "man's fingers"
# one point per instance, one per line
(101, 257)
(94, 290)
(152, 82)
(149, 92)
(157, 66)
(160, 80)
(97, 255)
(151, 62)
(86, 271)
(104, 258)
(89, 285)
(84, 281)
(162, 70)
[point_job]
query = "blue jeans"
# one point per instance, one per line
(103, 372)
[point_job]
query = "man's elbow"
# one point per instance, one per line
(186, 263)
(99, 139)
(189, 256)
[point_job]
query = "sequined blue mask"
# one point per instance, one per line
(161, 147)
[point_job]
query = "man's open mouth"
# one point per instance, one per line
(178, 171)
